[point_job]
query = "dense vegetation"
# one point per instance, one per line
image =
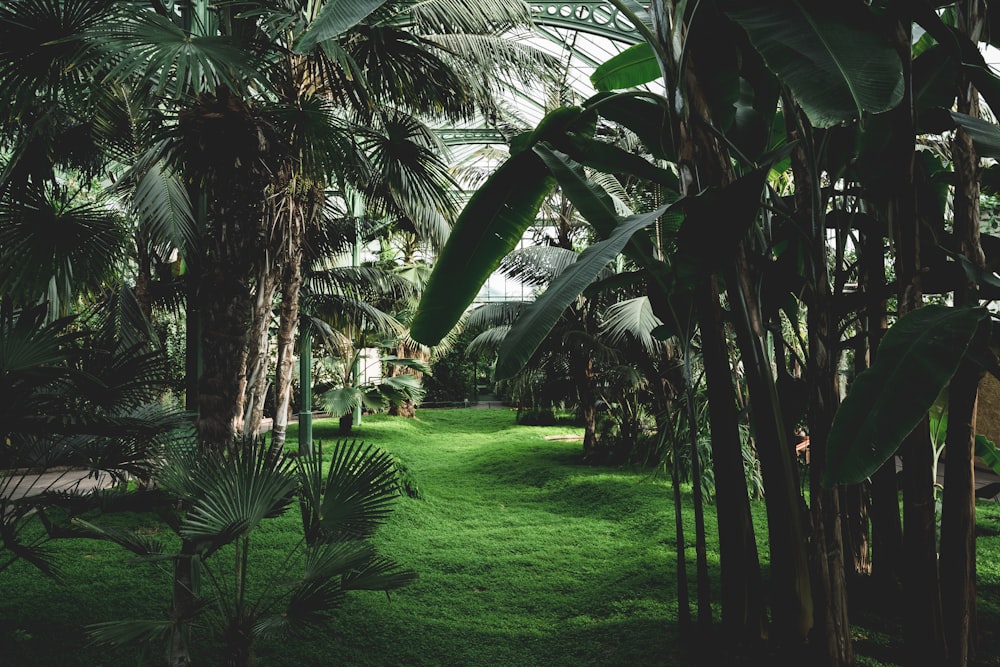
(757, 207)
(525, 557)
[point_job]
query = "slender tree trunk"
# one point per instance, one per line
(254, 381)
(887, 528)
(922, 621)
(958, 512)
(183, 607)
(583, 374)
(143, 279)
(742, 597)
(701, 552)
(301, 207)
(287, 321)
(829, 586)
(792, 603)
(683, 597)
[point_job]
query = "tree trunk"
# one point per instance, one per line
(182, 608)
(887, 529)
(742, 599)
(832, 628)
(291, 284)
(792, 603)
(703, 586)
(922, 621)
(958, 512)
(583, 375)
(254, 381)
(407, 409)
(346, 422)
(229, 151)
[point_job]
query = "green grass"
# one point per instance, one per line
(525, 557)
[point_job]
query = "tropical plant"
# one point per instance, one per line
(223, 497)
(714, 124)
(377, 395)
(80, 397)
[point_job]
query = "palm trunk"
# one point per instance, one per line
(229, 151)
(583, 375)
(254, 381)
(183, 607)
(287, 321)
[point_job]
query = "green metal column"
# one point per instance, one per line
(305, 390)
(194, 352)
(357, 206)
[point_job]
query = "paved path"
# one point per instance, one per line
(15, 485)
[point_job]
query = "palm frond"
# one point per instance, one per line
(397, 67)
(165, 210)
(379, 574)
(53, 242)
(487, 343)
(400, 388)
(634, 320)
(361, 488)
(342, 401)
(40, 49)
(122, 633)
(413, 364)
(409, 174)
(144, 44)
(233, 492)
(353, 317)
(360, 282)
(614, 187)
(320, 140)
(142, 545)
(494, 314)
(537, 265)
(469, 16)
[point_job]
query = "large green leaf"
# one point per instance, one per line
(988, 452)
(632, 67)
(490, 226)
(597, 207)
(645, 114)
(984, 134)
(918, 356)
(334, 19)
(836, 67)
(538, 318)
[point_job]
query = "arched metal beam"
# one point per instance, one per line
(595, 18)
(457, 136)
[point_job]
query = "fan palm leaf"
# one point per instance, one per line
(54, 243)
(233, 492)
(632, 320)
(360, 489)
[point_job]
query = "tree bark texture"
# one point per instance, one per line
(958, 512)
(230, 151)
(832, 627)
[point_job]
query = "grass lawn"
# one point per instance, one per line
(525, 557)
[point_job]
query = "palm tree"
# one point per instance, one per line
(224, 496)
